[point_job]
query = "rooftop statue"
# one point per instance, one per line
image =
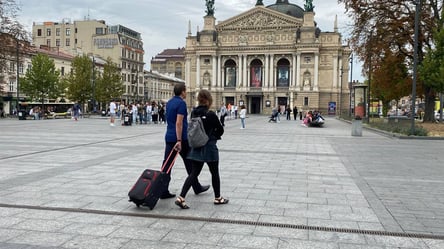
(308, 5)
(210, 7)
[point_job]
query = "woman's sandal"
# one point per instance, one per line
(220, 201)
(181, 203)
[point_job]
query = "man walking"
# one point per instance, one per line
(176, 134)
(112, 112)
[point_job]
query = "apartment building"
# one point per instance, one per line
(94, 37)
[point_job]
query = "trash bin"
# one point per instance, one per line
(357, 127)
(22, 115)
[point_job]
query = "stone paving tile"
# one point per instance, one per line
(248, 241)
(146, 244)
(8, 234)
(41, 225)
(86, 242)
(41, 238)
(208, 238)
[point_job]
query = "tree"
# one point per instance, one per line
(78, 81)
(379, 25)
(109, 84)
(391, 80)
(10, 30)
(41, 82)
(431, 71)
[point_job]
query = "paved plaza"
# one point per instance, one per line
(64, 184)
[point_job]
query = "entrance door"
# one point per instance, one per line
(282, 103)
(255, 107)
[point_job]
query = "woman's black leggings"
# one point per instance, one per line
(195, 172)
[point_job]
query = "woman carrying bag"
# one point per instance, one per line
(209, 153)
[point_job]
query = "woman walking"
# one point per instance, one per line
(209, 153)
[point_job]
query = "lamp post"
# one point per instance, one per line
(369, 81)
(93, 84)
(415, 63)
(340, 92)
(18, 77)
(350, 86)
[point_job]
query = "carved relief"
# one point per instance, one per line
(258, 19)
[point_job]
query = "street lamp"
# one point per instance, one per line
(18, 77)
(93, 84)
(340, 96)
(369, 80)
(350, 86)
(415, 63)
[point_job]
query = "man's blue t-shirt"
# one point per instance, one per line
(175, 105)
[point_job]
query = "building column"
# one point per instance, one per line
(316, 76)
(239, 72)
(245, 71)
(266, 72)
(198, 72)
(293, 72)
(298, 70)
(335, 72)
(213, 74)
(271, 68)
(188, 71)
(219, 72)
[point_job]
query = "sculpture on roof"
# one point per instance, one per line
(308, 5)
(259, 2)
(210, 7)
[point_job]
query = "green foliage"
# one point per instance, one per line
(42, 80)
(79, 81)
(432, 68)
(399, 128)
(109, 84)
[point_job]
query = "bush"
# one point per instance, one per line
(396, 128)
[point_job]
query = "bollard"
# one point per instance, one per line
(357, 127)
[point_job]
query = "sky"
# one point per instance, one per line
(163, 24)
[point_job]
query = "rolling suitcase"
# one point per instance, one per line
(152, 183)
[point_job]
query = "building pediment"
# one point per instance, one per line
(260, 18)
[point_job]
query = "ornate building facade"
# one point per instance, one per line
(266, 57)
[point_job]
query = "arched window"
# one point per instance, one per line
(256, 73)
(283, 73)
(230, 73)
(178, 70)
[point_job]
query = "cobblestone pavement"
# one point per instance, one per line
(64, 184)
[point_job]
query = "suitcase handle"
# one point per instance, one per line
(173, 151)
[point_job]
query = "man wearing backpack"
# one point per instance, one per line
(176, 134)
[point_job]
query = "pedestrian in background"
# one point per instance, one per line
(76, 110)
(288, 112)
(209, 153)
(242, 115)
(112, 112)
(295, 113)
(223, 114)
